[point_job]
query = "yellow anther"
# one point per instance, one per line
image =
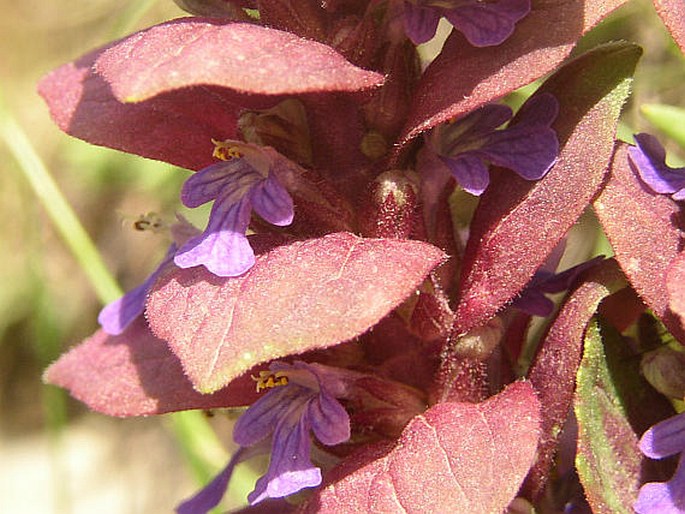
(269, 380)
(225, 150)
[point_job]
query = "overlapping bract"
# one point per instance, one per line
(223, 302)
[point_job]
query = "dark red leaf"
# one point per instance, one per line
(190, 79)
(174, 128)
(298, 297)
(645, 232)
(518, 223)
(456, 457)
(238, 56)
(672, 13)
(553, 372)
(464, 77)
(135, 374)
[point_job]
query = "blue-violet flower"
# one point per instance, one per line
(528, 146)
(483, 23)
(246, 178)
(664, 439)
(302, 398)
(649, 159)
(533, 300)
(116, 316)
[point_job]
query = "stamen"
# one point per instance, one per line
(225, 150)
(269, 380)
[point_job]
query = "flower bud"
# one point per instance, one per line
(479, 343)
(390, 208)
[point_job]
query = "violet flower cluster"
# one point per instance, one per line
(378, 223)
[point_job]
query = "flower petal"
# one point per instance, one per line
(468, 133)
(663, 497)
(470, 172)
(229, 179)
(272, 202)
(420, 23)
(209, 496)
(290, 469)
(329, 420)
(222, 248)
(665, 438)
(488, 23)
(260, 419)
(116, 316)
(648, 157)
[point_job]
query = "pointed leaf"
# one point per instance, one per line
(301, 296)
(553, 372)
(456, 457)
(191, 78)
(177, 129)
(464, 77)
(672, 13)
(241, 57)
(608, 458)
(518, 223)
(644, 230)
(135, 374)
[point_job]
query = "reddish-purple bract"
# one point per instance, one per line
(135, 374)
(553, 372)
(456, 457)
(242, 57)
(298, 297)
(464, 77)
(644, 229)
(180, 105)
(518, 223)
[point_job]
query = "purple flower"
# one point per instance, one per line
(648, 157)
(533, 300)
(301, 399)
(528, 146)
(483, 23)
(116, 316)
(246, 178)
(664, 439)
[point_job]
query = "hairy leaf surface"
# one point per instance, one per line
(301, 296)
(456, 457)
(518, 223)
(135, 374)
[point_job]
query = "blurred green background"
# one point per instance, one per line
(55, 457)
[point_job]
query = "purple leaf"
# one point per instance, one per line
(644, 230)
(456, 457)
(135, 374)
(300, 296)
(518, 223)
(464, 77)
(241, 57)
(200, 76)
(553, 372)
